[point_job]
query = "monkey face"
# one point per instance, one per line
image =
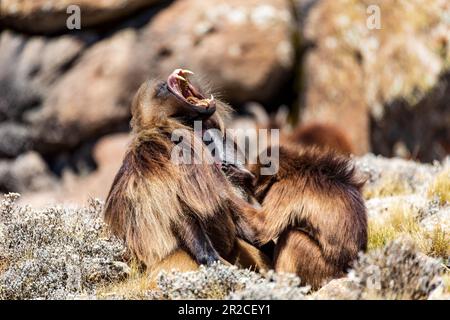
(191, 97)
(179, 98)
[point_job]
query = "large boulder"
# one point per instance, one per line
(79, 87)
(243, 48)
(395, 78)
(48, 16)
(27, 173)
(92, 98)
(28, 68)
(108, 153)
(15, 139)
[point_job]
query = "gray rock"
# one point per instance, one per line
(15, 139)
(28, 68)
(338, 289)
(243, 48)
(49, 16)
(388, 88)
(91, 98)
(441, 220)
(28, 172)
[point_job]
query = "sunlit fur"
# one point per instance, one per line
(313, 207)
(153, 201)
(322, 135)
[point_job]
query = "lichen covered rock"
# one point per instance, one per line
(393, 78)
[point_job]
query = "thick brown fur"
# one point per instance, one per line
(175, 212)
(313, 207)
(326, 136)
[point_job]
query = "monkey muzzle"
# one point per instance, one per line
(180, 86)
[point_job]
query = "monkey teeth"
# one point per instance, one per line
(189, 72)
(179, 85)
(181, 72)
(180, 78)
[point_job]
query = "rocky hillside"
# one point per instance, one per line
(64, 92)
(67, 253)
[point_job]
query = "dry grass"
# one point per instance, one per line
(440, 188)
(3, 265)
(446, 278)
(387, 187)
(135, 286)
(402, 220)
(439, 243)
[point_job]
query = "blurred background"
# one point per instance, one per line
(65, 94)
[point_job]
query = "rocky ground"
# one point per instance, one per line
(67, 253)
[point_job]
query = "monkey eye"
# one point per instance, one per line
(161, 89)
(178, 83)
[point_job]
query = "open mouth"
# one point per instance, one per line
(180, 86)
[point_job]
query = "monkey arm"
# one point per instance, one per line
(249, 220)
(197, 242)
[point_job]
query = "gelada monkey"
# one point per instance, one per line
(178, 215)
(314, 209)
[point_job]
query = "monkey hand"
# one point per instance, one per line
(211, 259)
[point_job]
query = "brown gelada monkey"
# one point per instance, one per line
(178, 215)
(314, 209)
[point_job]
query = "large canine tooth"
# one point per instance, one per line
(187, 72)
(180, 78)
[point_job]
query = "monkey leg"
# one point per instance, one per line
(197, 242)
(178, 260)
(247, 256)
(296, 252)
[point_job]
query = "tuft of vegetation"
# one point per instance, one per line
(387, 187)
(56, 253)
(397, 271)
(228, 282)
(440, 188)
(67, 253)
(446, 279)
(135, 286)
(402, 219)
(274, 286)
(215, 282)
